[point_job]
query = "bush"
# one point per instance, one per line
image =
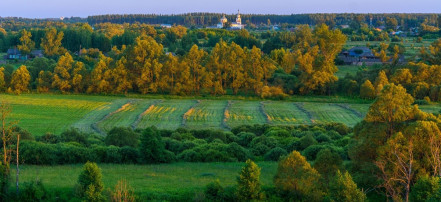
(33, 191)
(245, 138)
(49, 138)
(89, 184)
(323, 138)
(122, 136)
(152, 148)
(129, 155)
(73, 135)
(214, 191)
(275, 154)
(238, 152)
(190, 155)
(311, 152)
(307, 141)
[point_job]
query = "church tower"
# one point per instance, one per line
(238, 19)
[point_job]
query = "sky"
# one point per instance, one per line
(84, 8)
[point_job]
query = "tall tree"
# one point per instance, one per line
(343, 189)
(51, 42)
(248, 188)
(20, 80)
(90, 183)
(62, 73)
(26, 43)
(297, 179)
(2, 80)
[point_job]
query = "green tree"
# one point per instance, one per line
(296, 179)
(26, 44)
(328, 163)
(426, 188)
(121, 136)
(51, 42)
(392, 106)
(90, 183)
(248, 188)
(20, 80)
(152, 148)
(342, 188)
(367, 90)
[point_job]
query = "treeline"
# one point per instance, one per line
(144, 67)
(209, 19)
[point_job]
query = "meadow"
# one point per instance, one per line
(161, 180)
(47, 113)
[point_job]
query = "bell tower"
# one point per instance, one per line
(238, 19)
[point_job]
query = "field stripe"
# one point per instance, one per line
(188, 113)
(348, 108)
(262, 111)
(89, 122)
(227, 115)
(135, 124)
(309, 114)
(95, 124)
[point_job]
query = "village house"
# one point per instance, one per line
(14, 53)
(362, 55)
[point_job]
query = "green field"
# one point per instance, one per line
(161, 179)
(166, 114)
(244, 113)
(43, 113)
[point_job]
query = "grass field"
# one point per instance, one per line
(166, 114)
(42, 113)
(167, 179)
(285, 113)
(206, 114)
(244, 113)
(126, 115)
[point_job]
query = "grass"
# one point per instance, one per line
(44, 113)
(244, 113)
(166, 115)
(160, 179)
(126, 115)
(347, 69)
(206, 114)
(327, 113)
(284, 113)
(85, 124)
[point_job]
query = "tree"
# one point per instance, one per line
(62, 76)
(120, 136)
(44, 81)
(6, 136)
(2, 80)
(20, 80)
(396, 162)
(26, 43)
(381, 81)
(296, 179)
(328, 163)
(342, 188)
(367, 90)
(426, 188)
(90, 183)
(152, 148)
(392, 106)
(51, 42)
(248, 188)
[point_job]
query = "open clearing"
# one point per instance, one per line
(160, 179)
(47, 113)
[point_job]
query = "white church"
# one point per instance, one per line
(234, 25)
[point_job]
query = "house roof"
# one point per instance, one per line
(13, 51)
(360, 51)
(37, 52)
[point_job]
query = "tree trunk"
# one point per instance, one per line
(17, 162)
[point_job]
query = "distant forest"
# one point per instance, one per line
(209, 19)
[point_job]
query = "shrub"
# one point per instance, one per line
(245, 138)
(260, 149)
(122, 192)
(311, 152)
(275, 154)
(426, 188)
(129, 155)
(73, 135)
(122, 136)
(112, 155)
(307, 141)
(49, 138)
(152, 148)
(328, 163)
(323, 138)
(190, 155)
(33, 191)
(214, 191)
(238, 152)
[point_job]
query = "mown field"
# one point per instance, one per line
(45, 113)
(160, 179)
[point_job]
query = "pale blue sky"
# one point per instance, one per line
(84, 8)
